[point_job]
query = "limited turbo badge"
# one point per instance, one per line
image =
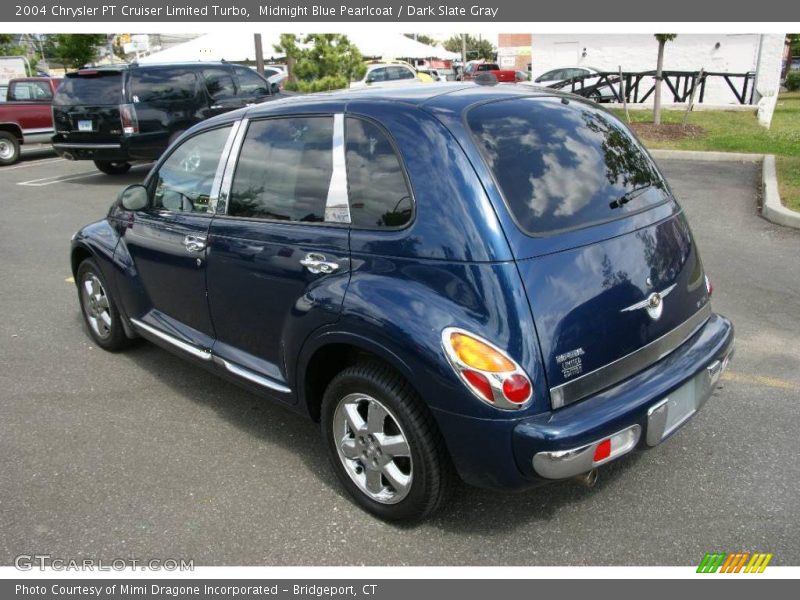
(654, 303)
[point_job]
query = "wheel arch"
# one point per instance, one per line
(328, 353)
(13, 129)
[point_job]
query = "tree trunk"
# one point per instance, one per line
(657, 92)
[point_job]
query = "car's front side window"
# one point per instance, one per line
(284, 170)
(185, 180)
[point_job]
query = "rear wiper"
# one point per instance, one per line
(634, 193)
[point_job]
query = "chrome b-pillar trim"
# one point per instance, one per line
(337, 205)
(230, 166)
(223, 161)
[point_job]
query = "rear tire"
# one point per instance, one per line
(9, 148)
(113, 167)
(99, 309)
(393, 461)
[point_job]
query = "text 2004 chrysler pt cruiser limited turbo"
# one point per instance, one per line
(488, 280)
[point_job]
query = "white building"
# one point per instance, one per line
(730, 53)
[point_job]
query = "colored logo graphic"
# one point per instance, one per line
(736, 562)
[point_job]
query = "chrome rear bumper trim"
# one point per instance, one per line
(622, 368)
(562, 464)
(86, 146)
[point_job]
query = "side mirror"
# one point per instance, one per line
(134, 197)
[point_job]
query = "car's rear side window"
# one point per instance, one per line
(284, 170)
(563, 164)
(98, 88)
(378, 192)
(162, 85)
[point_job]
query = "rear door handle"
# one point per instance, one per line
(317, 263)
(194, 243)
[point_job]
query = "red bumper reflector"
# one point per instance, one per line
(602, 451)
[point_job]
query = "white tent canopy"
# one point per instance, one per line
(215, 47)
(241, 48)
(395, 45)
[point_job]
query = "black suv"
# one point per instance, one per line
(114, 115)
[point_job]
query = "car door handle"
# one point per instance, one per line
(194, 243)
(317, 263)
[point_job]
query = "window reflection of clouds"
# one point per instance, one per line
(559, 166)
(284, 170)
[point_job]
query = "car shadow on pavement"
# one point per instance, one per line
(470, 510)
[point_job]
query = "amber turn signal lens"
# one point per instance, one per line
(478, 355)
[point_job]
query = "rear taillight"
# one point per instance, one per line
(709, 287)
(486, 370)
(127, 115)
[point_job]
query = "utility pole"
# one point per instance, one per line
(259, 54)
(463, 50)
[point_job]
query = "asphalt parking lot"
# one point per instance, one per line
(141, 455)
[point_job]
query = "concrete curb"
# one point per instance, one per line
(772, 209)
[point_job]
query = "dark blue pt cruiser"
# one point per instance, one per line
(488, 281)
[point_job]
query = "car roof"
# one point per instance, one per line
(436, 94)
(452, 96)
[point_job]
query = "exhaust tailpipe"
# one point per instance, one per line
(588, 479)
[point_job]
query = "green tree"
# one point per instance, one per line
(662, 38)
(476, 48)
(74, 50)
(794, 43)
(321, 61)
(9, 48)
(422, 38)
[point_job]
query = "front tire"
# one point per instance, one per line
(99, 310)
(113, 167)
(384, 445)
(9, 148)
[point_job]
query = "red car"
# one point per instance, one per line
(26, 116)
(474, 69)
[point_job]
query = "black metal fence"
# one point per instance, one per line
(639, 86)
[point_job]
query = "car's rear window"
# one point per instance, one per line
(564, 164)
(98, 88)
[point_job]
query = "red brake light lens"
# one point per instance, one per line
(481, 384)
(517, 388)
(127, 115)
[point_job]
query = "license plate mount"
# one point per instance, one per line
(85, 125)
(672, 412)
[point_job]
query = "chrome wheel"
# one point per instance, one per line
(7, 150)
(373, 448)
(95, 305)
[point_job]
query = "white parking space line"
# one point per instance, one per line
(33, 163)
(56, 179)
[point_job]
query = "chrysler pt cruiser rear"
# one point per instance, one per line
(491, 282)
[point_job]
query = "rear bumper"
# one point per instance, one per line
(145, 146)
(515, 454)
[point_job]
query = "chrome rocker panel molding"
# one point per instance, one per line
(622, 368)
(206, 355)
(180, 344)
